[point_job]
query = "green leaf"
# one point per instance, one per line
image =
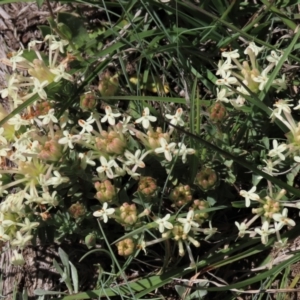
(76, 28)
(258, 277)
(65, 260)
(45, 30)
(19, 109)
(74, 275)
(40, 292)
(58, 268)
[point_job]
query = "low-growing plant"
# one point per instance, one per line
(151, 175)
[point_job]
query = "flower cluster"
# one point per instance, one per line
(239, 79)
(272, 211)
(49, 154)
(270, 207)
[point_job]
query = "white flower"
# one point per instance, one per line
(277, 150)
(135, 159)
(269, 168)
(17, 121)
(274, 58)
(21, 240)
(223, 68)
(110, 116)
(209, 232)
(125, 124)
(27, 226)
(146, 118)
(165, 148)
(222, 95)
(16, 58)
(11, 88)
(104, 212)
(252, 47)
(188, 222)
(106, 166)
(39, 88)
(264, 232)
(32, 197)
(69, 139)
(32, 44)
(64, 119)
(280, 84)
(8, 223)
(163, 223)
(86, 159)
(49, 117)
(50, 199)
(283, 105)
(242, 229)
(56, 180)
(4, 151)
(54, 45)
(60, 73)
(86, 125)
(250, 195)
(231, 55)
(262, 78)
(238, 102)
(183, 151)
(227, 80)
(3, 236)
(242, 90)
(131, 173)
(176, 119)
(282, 219)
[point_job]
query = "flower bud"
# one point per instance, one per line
(42, 108)
(193, 241)
(77, 210)
(217, 112)
(147, 186)
(206, 179)
(177, 232)
(51, 151)
(126, 247)
(266, 207)
(127, 214)
(200, 205)
(90, 240)
(108, 84)
(88, 101)
(180, 248)
(106, 192)
(111, 142)
(154, 136)
(181, 195)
